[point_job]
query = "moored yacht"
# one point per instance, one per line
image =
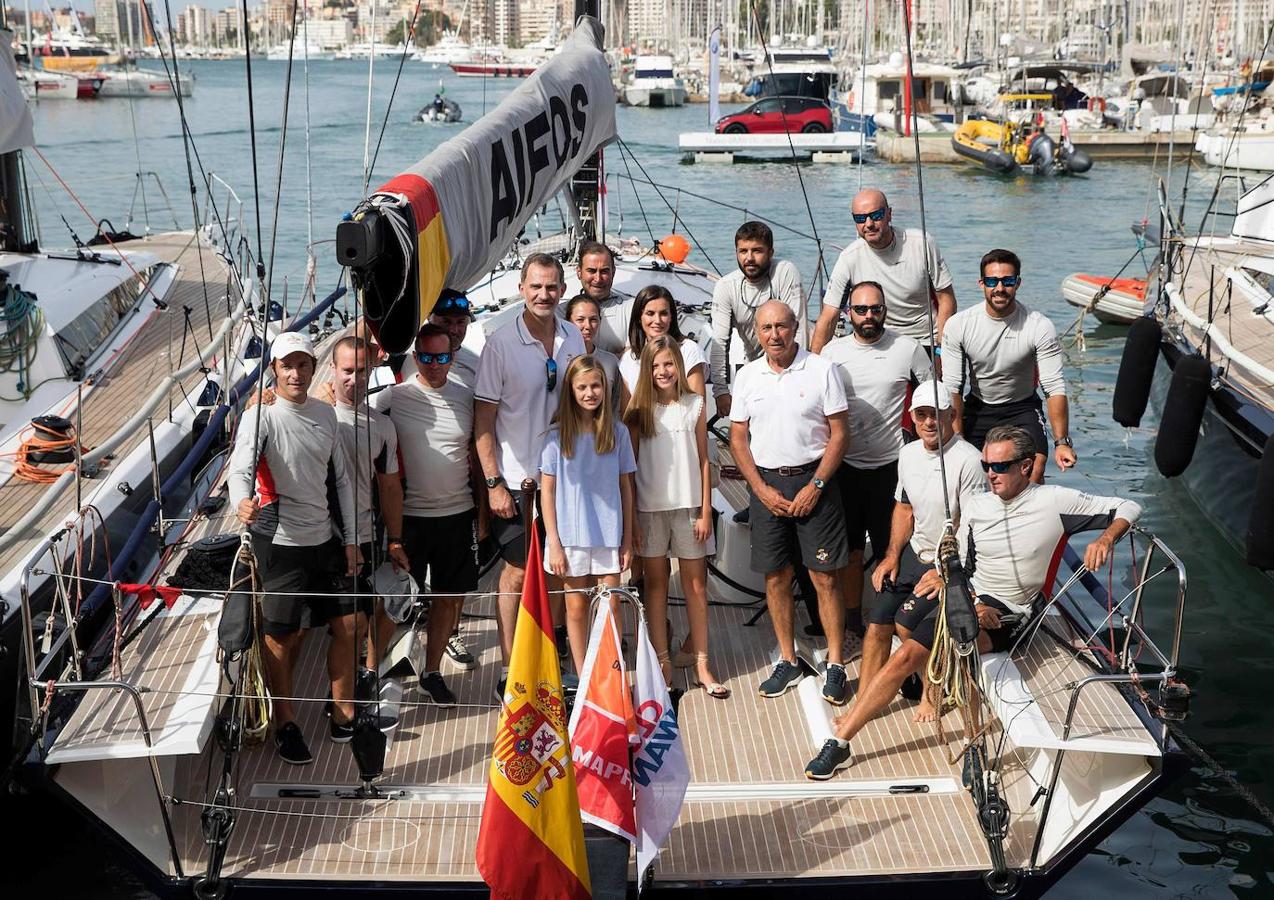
(654, 83)
(1062, 756)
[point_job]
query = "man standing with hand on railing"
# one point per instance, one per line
(295, 538)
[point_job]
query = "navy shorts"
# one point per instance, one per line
(979, 418)
(868, 498)
(1002, 639)
(817, 540)
(443, 550)
(900, 606)
(287, 575)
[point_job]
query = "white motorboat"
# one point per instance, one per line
(873, 97)
(367, 50)
(451, 48)
(142, 83)
(1117, 301)
(654, 83)
(298, 51)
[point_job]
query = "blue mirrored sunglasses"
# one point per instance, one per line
(992, 281)
(441, 359)
(452, 304)
(875, 215)
(550, 366)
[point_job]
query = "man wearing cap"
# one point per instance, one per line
(519, 382)
(433, 413)
(997, 352)
(1008, 537)
(453, 313)
(876, 367)
(919, 514)
(737, 296)
(298, 547)
(787, 435)
(596, 272)
(905, 262)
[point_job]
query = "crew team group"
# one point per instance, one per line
(596, 409)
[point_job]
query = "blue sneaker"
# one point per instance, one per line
(785, 676)
(830, 760)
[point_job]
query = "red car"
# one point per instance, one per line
(775, 115)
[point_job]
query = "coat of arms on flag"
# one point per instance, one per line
(529, 741)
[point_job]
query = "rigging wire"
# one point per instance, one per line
(252, 133)
(283, 143)
(371, 74)
(311, 260)
(408, 40)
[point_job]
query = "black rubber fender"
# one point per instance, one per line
(1077, 161)
(1136, 371)
(1182, 415)
(1260, 524)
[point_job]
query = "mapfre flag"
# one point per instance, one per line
(531, 841)
(660, 770)
(603, 730)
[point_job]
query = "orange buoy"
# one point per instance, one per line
(674, 248)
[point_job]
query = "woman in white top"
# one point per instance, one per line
(654, 315)
(669, 428)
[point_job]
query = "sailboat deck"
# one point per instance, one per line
(1205, 286)
(133, 374)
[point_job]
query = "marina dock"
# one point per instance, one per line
(936, 148)
(704, 146)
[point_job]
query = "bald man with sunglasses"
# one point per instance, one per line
(906, 263)
(1008, 538)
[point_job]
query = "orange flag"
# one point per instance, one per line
(531, 841)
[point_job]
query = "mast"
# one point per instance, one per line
(12, 218)
(586, 182)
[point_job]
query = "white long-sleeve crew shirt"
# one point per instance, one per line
(996, 360)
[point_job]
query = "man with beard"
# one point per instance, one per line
(596, 273)
(876, 367)
(905, 262)
(997, 351)
(738, 295)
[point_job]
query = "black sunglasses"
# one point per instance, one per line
(441, 359)
(875, 215)
(550, 366)
(993, 281)
(876, 309)
(999, 468)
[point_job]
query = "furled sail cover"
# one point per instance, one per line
(470, 198)
(15, 117)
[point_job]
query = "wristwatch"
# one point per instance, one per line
(392, 541)
(495, 481)
(1064, 442)
(819, 483)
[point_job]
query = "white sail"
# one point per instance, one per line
(16, 129)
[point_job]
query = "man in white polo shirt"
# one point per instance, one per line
(433, 414)
(876, 366)
(906, 262)
(918, 519)
(788, 432)
(519, 380)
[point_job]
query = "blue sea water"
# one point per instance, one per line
(1199, 839)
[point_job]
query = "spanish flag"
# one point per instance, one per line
(531, 841)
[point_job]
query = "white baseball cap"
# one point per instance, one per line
(922, 396)
(292, 342)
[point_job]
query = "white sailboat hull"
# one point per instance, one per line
(1251, 150)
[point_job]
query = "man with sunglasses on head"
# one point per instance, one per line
(876, 366)
(1008, 538)
(737, 296)
(453, 313)
(906, 263)
(519, 379)
(993, 354)
(434, 415)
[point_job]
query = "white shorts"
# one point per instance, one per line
(671, 532)
(581, 561)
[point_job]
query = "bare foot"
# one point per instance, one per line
(925, 711)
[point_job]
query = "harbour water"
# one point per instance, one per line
(1200, 839)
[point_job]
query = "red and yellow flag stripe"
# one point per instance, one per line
(433, 257)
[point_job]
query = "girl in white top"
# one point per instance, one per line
(669, 428)
(655, 314)
(586, 485)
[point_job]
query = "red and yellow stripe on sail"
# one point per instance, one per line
(531, 841)
(433, 258)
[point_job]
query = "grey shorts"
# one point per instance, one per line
(671, 532)
(817, 540)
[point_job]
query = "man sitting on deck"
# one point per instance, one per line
(1016, 530)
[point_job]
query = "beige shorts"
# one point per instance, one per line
(670, 532)
(581, 561)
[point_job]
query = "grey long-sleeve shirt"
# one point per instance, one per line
(734, 304)
(303, 474)
(997, 359)
(1014, 542)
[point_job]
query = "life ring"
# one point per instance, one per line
(1097, 104)
(1260, 525)
(1182, 415)
(1136, 371)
